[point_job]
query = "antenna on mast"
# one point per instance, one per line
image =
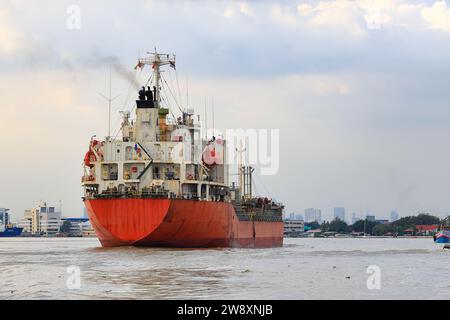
(212, 102)
(187, 92)
(110, 100)
(206, 122)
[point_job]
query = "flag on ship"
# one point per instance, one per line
(139, 65)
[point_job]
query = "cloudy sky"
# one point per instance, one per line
(360, 91)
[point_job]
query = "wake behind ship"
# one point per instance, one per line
(161, 184)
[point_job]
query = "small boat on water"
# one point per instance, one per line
(10, 231)
(7, 229)
(443, 234)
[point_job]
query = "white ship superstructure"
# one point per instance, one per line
(157, 153)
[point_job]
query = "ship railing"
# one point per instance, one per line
(131, 194)
(149, 193)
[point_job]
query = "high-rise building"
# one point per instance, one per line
(339, 213)
(370, 217)
(312, 214)
(299, 217)
(394, 216)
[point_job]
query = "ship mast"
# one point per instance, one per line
(156, 60)
(241, 151)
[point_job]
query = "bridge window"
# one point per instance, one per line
(131, 171)
(109, 171)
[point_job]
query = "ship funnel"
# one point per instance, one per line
(145, 99)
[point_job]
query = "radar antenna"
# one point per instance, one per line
(156, 60)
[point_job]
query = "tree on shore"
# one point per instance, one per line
(313, 225)
(383, 229)
(65, 227)
(337, 225)
(421, 219)
(358, 226)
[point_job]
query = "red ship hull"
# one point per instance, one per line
(177, 223)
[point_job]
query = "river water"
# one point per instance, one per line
(306, 268)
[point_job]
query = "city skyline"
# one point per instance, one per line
(329, 215)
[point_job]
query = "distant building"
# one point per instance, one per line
(394, 216)
(41, 220)
(370, 218)
(313, 232)
(382, 221)
(408, 232)
(312, 214)
(293, 228)
(4, 218)
(79, 227)
(339, 213)
(426, 230)
(299, 217)
(292, 216)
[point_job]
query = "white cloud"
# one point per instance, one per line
(304, 9)
(339, 14)
(229, 12)
(246, 9)
(356, 17)
(283, 15)
(438, 16)
(9, 37)
(242, 8)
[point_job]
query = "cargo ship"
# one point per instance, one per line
(7, 229)
(10, 231)
(159, 182)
